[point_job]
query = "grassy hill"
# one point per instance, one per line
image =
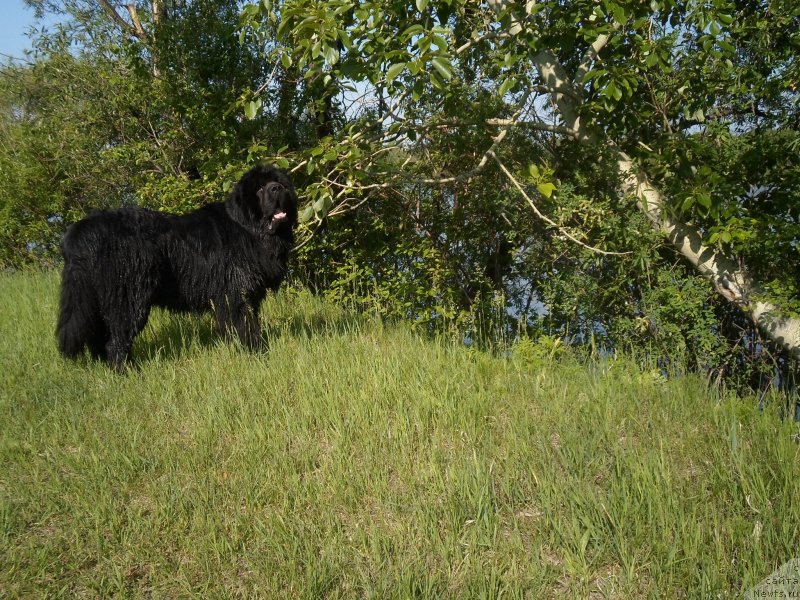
(355, 459)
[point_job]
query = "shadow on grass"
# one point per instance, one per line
(316, 325)
(171, 336)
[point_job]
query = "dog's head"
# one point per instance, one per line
(264, 199)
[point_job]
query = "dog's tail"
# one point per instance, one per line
(77, 316)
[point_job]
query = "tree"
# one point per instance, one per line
(136, 105)
(656, 90)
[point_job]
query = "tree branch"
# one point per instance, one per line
(158, 8)
(546, 219)
(591, 56)
(491, 35)
(555, 79)
(115, 16)
(558, 129)
(724, 272)
(137, 24)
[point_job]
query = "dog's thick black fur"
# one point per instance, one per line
(222, 257)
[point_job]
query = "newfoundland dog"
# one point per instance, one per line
(221, 257)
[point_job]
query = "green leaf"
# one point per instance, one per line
(546, 189)
(343, 9)
(323, 205)
(345, 39)
(307, 214)
(618, 12)
(284, 25)
(612, 91)
(331, 54)
(437, 81)
(507, 85)
(394, 71)
(421, 5)
(424, 43)
(594, 73)
(411, 31)
(351, 69)
(439, 42)
(443, 66)
(251, 109)
(286, 60)
(703, 199)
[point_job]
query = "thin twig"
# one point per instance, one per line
(559, 129)
(486, 36)
(268, 81)
(489, 153)
(545, 218)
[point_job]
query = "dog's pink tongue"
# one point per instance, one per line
(278, 216)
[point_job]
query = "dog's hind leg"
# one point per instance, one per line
(125, 317)
(117, 351)
(78, 315)
(98, 340)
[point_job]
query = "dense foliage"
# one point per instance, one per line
(438, 185)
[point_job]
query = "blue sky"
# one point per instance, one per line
(15, 20)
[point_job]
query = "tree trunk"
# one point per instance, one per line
(287, 119)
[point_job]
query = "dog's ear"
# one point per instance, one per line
(242, 202)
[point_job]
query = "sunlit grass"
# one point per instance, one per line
(354, 459)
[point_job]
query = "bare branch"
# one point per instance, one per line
(491, 35)
(137, 24)
(115, 16)
(264, 85)
(558, 129)
(555, 78)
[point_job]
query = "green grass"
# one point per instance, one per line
(355, 459)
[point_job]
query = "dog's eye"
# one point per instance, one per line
(273, 188)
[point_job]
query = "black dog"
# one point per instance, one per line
(222, 257)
